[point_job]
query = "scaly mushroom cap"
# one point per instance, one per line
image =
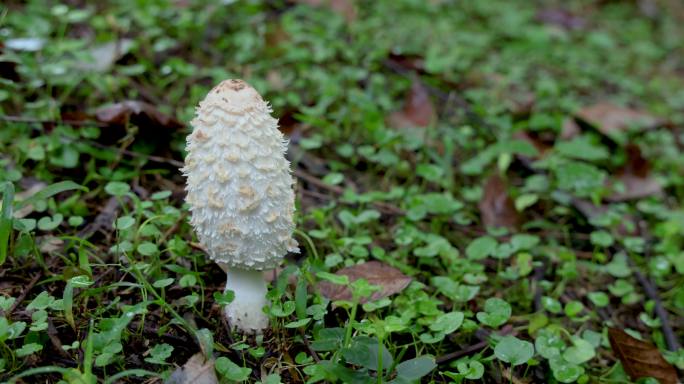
(238, 181)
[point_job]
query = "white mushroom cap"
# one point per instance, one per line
(239, 185)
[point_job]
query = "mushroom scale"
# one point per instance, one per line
(239, 184)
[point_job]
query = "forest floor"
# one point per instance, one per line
(486, 191)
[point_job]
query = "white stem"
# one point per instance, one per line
(245, 312)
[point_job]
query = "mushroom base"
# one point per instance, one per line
(246, 313)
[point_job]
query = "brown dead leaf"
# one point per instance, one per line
(418, 110)
(496, 207)
(50, 244)
(137, 112)
(344, 8)
(641, 359)
(196, 370)
(635, 178)
(570, 129)
(390, 279)
(609, 118)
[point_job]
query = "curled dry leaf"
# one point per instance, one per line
(635, 178)
(609, 118)
(388, 278)
(196, 370)
(137, 112)
(496, 207)
(418, 110)
(641, 359)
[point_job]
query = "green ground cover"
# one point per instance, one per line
(498, 185)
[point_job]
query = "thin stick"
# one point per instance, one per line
(463, 352)
(308, 346)
(24, 292)
(652, 293)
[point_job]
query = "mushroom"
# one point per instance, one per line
(240, 193)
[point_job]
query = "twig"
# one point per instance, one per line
(382, 206)
(308, 346)
(103, 220)
(483, 335)
(537, 278)
(652, 293)
(463, 352)
(24, 292)
(54, 338)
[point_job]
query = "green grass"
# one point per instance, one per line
(522, 246)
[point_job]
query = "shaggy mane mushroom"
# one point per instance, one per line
(239, 188)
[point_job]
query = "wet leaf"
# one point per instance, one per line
(418, 110)
(635, 178)
(137, 112)
(641, 359)
(496, 207)
(388, 278)
(609, 118)
(196, 371)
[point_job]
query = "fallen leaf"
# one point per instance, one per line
(641, 359)
(390, 279)
(344, 8)
(137, 112)
(196, 370)
(609, 118)
(418, 110)
(496, 207)
(103, 56)
(561, 18)
(635, 178)
(570, 129)
(50, 244)
(32, 186)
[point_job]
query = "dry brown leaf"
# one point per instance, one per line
(570, 129)
(418, 110)
(609, 118)
(641, 359)
(195, 371)
(137, 112)
(345, 8)
(390, 279)
(635, 177)
(496, 207)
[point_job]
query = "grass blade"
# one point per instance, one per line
(6, 219)
(50, 191)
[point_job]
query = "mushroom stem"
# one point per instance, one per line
(245, 312)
